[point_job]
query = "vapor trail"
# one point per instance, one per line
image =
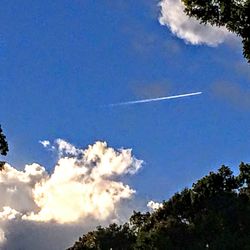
(154, 99)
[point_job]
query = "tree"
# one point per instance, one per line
(113, 237)
(233, 14)
(213, 214)
(3, 147)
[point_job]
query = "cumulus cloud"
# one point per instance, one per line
(154, 205)
(30, 235)
(189, 29)
(85, 185)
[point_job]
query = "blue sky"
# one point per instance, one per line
(63, 61)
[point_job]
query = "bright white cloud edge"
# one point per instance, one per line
(83, 187)
(189, 29)
(154, 205)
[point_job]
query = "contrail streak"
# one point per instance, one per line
(154, 99)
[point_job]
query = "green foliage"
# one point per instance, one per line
(214, 214)
(3, 146)
(233, 14)
(113, 237)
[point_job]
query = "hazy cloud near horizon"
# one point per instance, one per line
(84, 190)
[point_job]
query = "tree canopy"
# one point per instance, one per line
(3, 146)
(233, 14)
(213, 214)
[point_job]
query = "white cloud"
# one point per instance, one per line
(189, 29)
(45, 143)
(2, 236)
(85, 185)
(154, 205)
(8, 214)
(65, 148)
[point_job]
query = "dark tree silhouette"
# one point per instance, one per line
(112, 237)
(213, 214)
(3, 146)
(233, 14)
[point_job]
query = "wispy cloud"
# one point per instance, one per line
(189, 29)
(154, 99)
(233, 93)
(147, 90)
